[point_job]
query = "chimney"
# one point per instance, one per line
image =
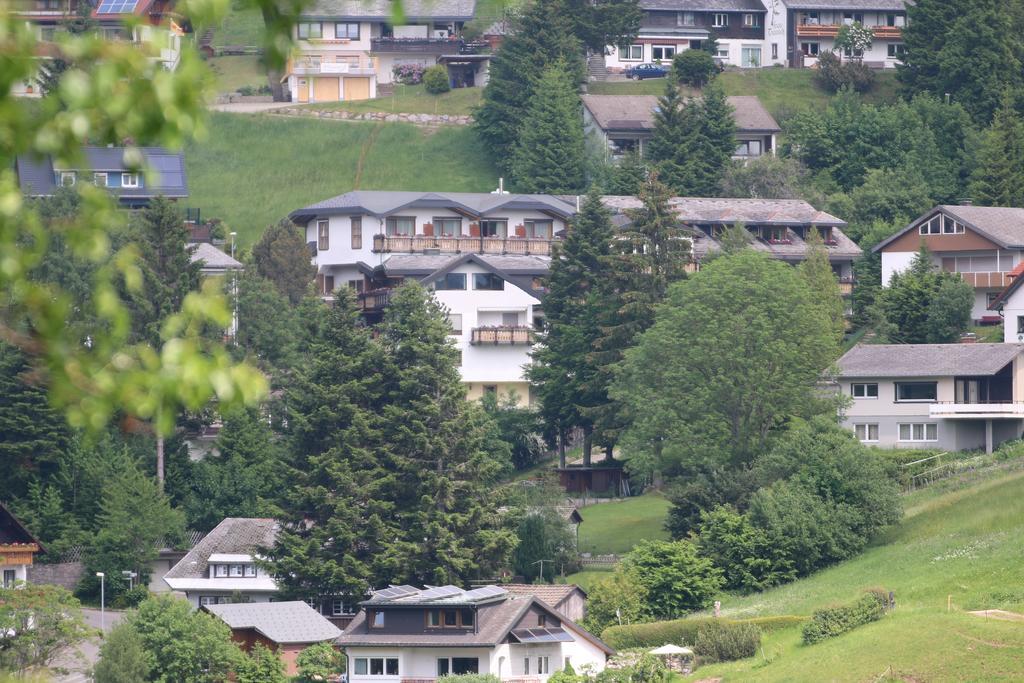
(967, 202)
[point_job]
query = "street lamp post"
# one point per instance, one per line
(103, 602)
(234, 291)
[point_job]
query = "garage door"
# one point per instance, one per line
(325, 90)
(357, 88)
(302, 90)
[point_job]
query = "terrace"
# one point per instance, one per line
(501, 334)
(461, 244)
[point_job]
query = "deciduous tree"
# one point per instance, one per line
(675, 577)
(56, 623)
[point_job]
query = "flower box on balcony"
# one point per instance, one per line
(784, 240)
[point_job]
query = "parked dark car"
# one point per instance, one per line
(642, 71)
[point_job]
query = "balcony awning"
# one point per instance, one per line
(529, 636)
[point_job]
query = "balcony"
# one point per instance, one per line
(832, 30)
(330, 68)
(374, 300)
(436, 46)
(994, 279)
(977, 411)
(501, 335)
(459, 245)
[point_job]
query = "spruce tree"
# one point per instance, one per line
(817, 272)
(548, 157)
(435, 444)
(282, 256)
(929, 23)
(718, 128)
(340, 514)
(563, 368)
(650, 253)
(669, 148)
(998, 179)
(627, 176)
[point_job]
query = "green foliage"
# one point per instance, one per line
(722, 641)
(834, 621)
(518, 427)
(890, 195)
(693, 140)
(627, 176)
(548, 156)
(765, 177)
(134, 517)
(566, 675)
(269, 327)
(470, 678)
(50, 72)
(680, 380)
(261, 665)
(684, 631)
(184, 646)
(543, 535)
(122, 657)
(319, 663)
(130, 598)
(435, 79)
(564, 373)
(281, 256)
(817, 272)
(56, 623)
(743, 552)
(833, 75)
(924, 305)
(695, 68)
(675, 578)
(618, 599)
(998, 178)
(855, 38)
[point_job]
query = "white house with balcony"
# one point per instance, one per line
(345, 48)
(484, 256)
(983, 244)
(813, 25)
(948, 396)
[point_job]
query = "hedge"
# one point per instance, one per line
(726, 641)
(682, 631)
(834, 621)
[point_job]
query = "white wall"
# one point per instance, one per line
(886, 403)
(193, 598)
(895, 262)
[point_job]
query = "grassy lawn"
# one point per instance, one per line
(234, 71)
(252, 170)
(616, 527)
(242, 26)
(412, 99)
(489, 11)
(781, 90)
(967, 543)
(587, 579)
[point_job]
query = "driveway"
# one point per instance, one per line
(249, 107)
(79, 664)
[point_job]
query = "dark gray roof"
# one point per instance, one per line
(384, 202)
(890, 5)
(704, 5)
(926, 360)
(636, 112)
(281, 622)
(213, 258)
(232, 535)
(519, 270)
(37, 175)
(1004, 225)
(460, 10)
(704, 210)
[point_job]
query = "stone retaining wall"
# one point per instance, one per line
(66, 574)
(416, 119)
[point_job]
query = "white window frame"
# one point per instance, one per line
(918, 432)
(895, 50)
(863, 387)
(236, 571)
(722, 52)
(897, 399)
(543, 665)
(250, 570)
(455, 320)
(751, 21)
(686, 19)
(220, 571)
(866, 432)
(68, 175)
(308, 25)
(720, 20)
(346, 24)
(130, 180)
(932, 226)
(664, 48)
(810, 49)
(323, 235)
(626, 52)
(97, 177)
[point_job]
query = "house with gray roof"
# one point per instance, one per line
(284, 628)
(983, 244)
(407, 633)
(224, 564)
(345, 48)
(625, 123)
(133, 175)
(813, 25)
(946, 396)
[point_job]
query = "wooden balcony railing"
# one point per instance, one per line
(457, 245)
(996, 279)
(375, 299)
(501, 335)
(832, 30)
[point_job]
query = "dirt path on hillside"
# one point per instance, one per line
(1001, 615)
(367, 146)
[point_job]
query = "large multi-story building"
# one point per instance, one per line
(757, 33)
(981, 243)
(345, 48)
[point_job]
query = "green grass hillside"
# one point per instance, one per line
(966, 543)
(253, 170)
(617, 527)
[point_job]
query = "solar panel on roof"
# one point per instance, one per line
(117, 6)
(392, 592)
(485, 592)
(440, 592)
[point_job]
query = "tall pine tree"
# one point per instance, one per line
(669, 148)
(563, 368)
(548, 157)
(998, 179)
(817, 272)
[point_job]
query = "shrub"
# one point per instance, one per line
(833, 75)
(616, 599)
(319, 662)
(676, 578)
(470, 678)
(834, 621)
(694, 67)
(748, 559)
(723, 641)
(435, 80)
(130, 598)
(683, 631)
(408, 74)
(648, 668)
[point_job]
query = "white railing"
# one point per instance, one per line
(978, 410)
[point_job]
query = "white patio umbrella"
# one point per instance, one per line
(671, 650)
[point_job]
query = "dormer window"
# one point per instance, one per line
(236, 570)
(250, 570)
(220, 570)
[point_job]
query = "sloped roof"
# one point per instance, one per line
(518, 270)
(926, 360)
(552, 594)
(636, 112)
(704, 5)
(891, 5)
(213, 258)
(384, 9)
(1015, 283)
(1004, 225)
(13, 532)
(234, 535)
(384, 202)
(281, 622)
(37, 175)
(701, 210)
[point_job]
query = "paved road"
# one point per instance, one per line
(249, 107)
(78, 664)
